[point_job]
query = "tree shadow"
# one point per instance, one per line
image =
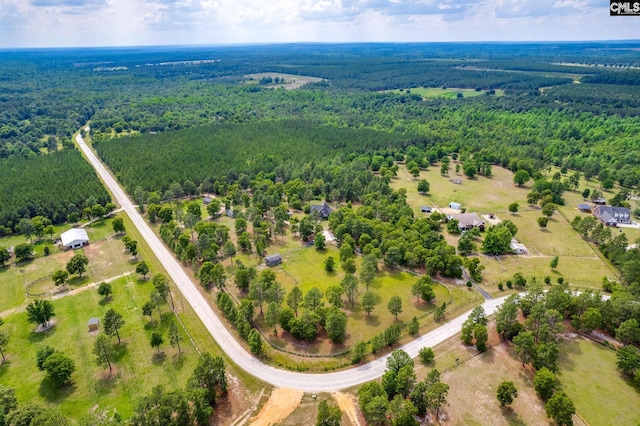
(35, 337)
(178, 361)
(105, 384)
(158, 358)
(105, 301)
(512, 418)
(4, 366)
(52, 393)
(78, 281)
(119, 351)
(372, 321)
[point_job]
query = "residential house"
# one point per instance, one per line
(468, 221)
(612, 216)
(323, 210)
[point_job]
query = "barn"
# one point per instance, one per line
(74, 238)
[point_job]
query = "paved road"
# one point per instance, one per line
(307, 382)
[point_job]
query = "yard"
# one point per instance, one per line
(587, 372)
(137, 368)
(579, 261)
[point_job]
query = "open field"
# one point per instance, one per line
(106, 259)
(136, 370)
(449, 92)
(587, 372)
(480, 194)
(292, 81)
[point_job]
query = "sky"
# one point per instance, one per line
(74, 23)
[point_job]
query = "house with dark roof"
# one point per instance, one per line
(323, 210)
(612, 216)
(468, 221)
(273, 260)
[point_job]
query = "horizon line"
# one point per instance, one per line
(285, 43)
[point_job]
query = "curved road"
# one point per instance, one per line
(307, 382)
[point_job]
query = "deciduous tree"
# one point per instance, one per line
(40, 312)
(506, 393)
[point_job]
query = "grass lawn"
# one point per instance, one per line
(587, 372)
(137, 367)
(579, 272)
(137, 370)
(480, 194)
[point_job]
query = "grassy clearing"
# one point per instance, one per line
(292, 81)
(137, 367)
(449, 92)
(482, 195)
(587, 372)
(579, 272)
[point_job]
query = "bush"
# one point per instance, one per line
(426, 355)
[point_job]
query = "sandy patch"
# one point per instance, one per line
(281, 404)
(347, 406)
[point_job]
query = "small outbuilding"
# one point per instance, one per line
(74, 238)
(455, 206)
(206, 200)
(600, 201)
(583, 207)
(518, 248)
(273, 260)
(93, 324)
(230, 213)
(425, 209)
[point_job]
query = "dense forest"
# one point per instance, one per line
(51, 186)
(543, 117)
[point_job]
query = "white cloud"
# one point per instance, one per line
(136, 22)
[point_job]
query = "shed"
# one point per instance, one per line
(583, 207)
(74, 238)
(518, 248)
(425, 209)
(601, 201)
(93, 324)
(455, 206)
(230, 213)
(206, 200)
(273, 260)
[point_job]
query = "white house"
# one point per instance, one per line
(74, 238)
